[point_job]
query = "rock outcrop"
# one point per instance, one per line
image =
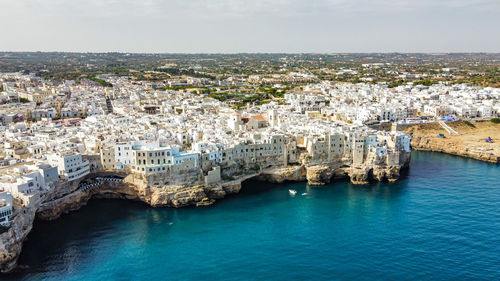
(469, 143)
(325, 173)
(279, 175)
(68, 197)
(11, 241)
(431, 143)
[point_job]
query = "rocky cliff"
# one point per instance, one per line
(426, 143)
(68, 197)
(469, 143)
(11, 241)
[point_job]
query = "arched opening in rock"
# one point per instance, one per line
(256, 185)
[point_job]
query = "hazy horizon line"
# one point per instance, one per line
(255, 53)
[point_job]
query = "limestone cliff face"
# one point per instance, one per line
(175, 196)
(71, 202)
(470, 142)
(371, 170)
(181, 191)
(324, 174)
(292, 173)
(11, 241)
(431, 143)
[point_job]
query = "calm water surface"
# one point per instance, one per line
(440, 222)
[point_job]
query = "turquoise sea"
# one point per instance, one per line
(439, 222)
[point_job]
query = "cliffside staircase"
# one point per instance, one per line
(91, 183)
(448, 128)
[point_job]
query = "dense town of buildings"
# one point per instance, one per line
(57, 133)
(72, 136)
(62, 133)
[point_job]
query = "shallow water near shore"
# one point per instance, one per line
(439, 222)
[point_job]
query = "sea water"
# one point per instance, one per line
(440, 221)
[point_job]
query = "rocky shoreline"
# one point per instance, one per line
(431, 144)
(67, 197)
(469, 143)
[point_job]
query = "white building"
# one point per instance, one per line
(123, 155)
(5, 208)
(70, 165)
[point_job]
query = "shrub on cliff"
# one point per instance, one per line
(495, 120)
(468, 123)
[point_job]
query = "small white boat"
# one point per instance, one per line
(305, 193)
(292, 191)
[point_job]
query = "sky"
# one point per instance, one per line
(254, 26)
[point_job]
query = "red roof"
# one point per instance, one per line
(258, 118)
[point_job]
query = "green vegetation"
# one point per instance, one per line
(176, 88)
(254, 98)
(273, 92)
(255, 167)
(188, 72)
(221, 96)
(23, 100)
(102, 82)
(241, 98)
(481, 69)
(495, 120)
(396, 83)
(468, 123)
(425, 82)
